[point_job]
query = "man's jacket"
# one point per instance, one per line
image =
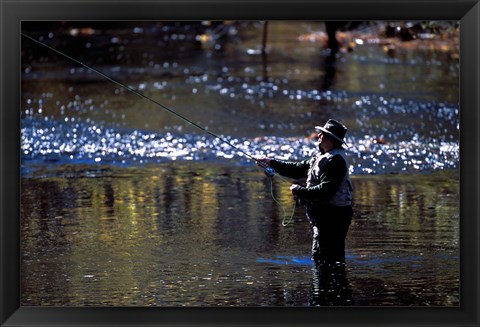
(327, 174)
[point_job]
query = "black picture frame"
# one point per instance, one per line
(13, 12)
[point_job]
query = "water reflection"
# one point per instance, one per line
(130, 236)
(330, 285)
(330, 72)
(246, 97)
(130, 207)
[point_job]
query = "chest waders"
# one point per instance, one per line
(330, 219)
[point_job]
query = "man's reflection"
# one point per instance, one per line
(330, 284)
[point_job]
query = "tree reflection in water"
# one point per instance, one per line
(205, 234)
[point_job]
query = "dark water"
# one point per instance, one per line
(210, 234)
(125, 204)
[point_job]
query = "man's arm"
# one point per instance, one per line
(290, 169)
(333, 174)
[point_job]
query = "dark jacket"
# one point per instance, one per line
(327, 174)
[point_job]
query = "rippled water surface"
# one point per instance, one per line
(125, 204)
(207, 234)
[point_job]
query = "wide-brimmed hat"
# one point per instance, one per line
(335, 129)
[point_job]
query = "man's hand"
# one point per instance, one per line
(294, 188)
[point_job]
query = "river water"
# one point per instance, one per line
(124, 204)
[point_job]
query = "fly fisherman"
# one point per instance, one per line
(327, 194)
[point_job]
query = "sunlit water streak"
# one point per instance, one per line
(75, 141)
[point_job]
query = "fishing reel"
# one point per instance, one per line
(269, 171)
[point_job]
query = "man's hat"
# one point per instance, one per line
(335, 129)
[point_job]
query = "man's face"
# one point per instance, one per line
(324, 142)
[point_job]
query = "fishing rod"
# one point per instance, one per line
(269, 171)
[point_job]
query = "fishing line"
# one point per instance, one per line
(268, 171)
(284, 220)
